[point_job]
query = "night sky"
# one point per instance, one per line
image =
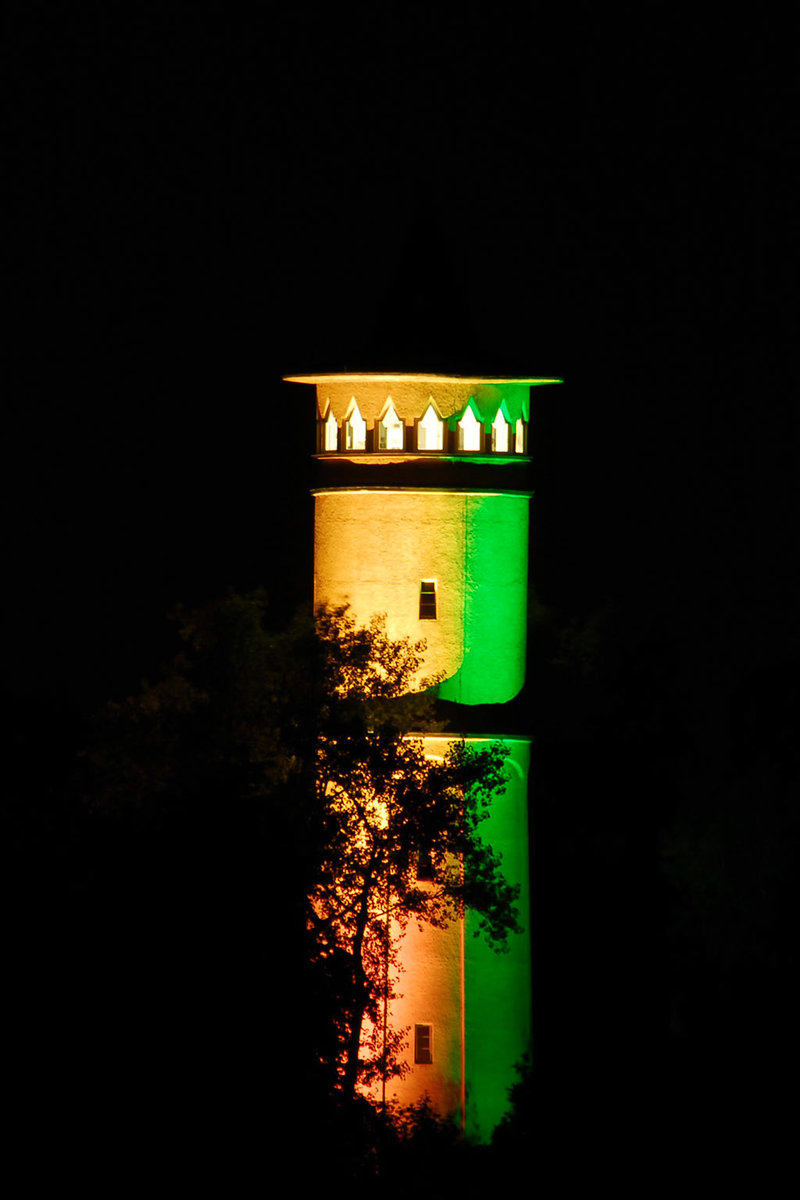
(202, 203)
(203, 199)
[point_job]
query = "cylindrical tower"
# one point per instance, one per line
(422, 514)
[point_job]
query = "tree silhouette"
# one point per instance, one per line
(295, 753)
(384, 803)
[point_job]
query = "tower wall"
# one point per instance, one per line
(400, 507)
(477, 1002)
(373, 547)
(498, 995)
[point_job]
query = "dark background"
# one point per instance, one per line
(201, 203)
(202, 200)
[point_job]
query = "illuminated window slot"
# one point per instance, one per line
(500, 434)
(356, 430)
(430, 431)
(331, 433)
(469, 431)
(390, 431)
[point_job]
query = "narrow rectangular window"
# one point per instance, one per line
(425, 870)
(423, 1043)
(427, 600)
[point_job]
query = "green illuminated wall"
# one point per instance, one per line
(495, 589)
(497, 988)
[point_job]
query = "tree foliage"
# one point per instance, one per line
(385, 804)
(303, 747)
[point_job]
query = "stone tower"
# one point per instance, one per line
(422, 514)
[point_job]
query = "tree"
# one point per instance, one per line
(383, 804)
(294, 753)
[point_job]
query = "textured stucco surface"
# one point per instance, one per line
(372, 548)
(498, 986)
(428, 987)
(475, 1045)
